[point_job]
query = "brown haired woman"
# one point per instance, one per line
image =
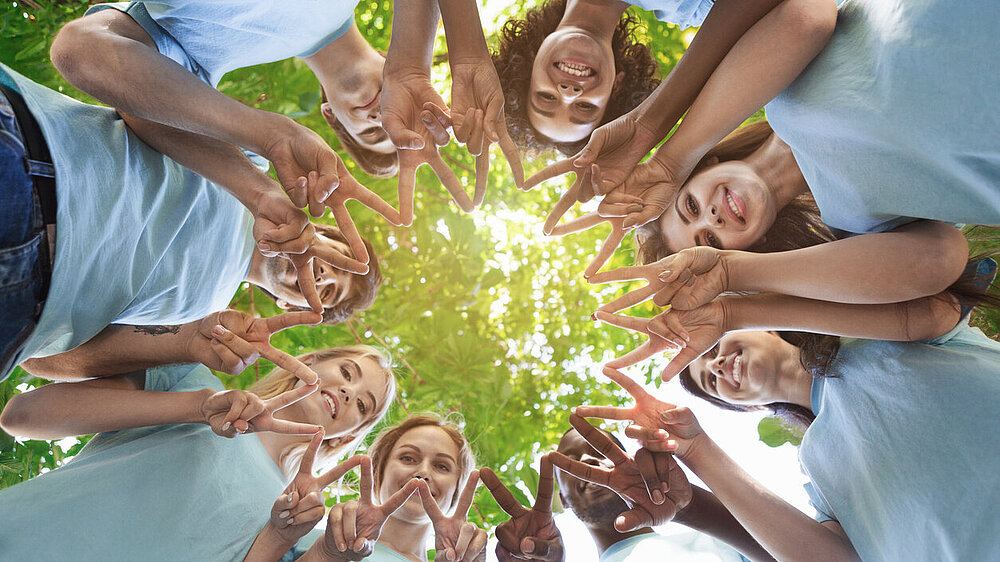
(423, 453)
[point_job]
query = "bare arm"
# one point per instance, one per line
(765, 59)
(92, 406)
(708, 515)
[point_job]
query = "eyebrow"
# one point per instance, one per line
(445, 455)
(539, 111)
(374, 404)
(580, 121)
(704, 382)
(677, 208)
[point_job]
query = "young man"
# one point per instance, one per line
(125, 235)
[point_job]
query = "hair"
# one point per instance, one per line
(816, 354)
(381, 449)
(279, 380)
(797, 225)
(364, 288)
(374, 163)
(518, 44)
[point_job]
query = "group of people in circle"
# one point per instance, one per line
(811, 264)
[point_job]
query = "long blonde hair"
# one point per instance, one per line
(280, 380)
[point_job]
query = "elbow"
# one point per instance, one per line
(931, 317)
(942, 260)
(77, 52)
(16, 416)
(814, 20)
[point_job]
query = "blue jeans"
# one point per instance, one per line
(21, 228)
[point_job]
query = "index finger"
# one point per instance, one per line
(373, 201)
(581, 470)
(627, 273)
(564, 204)
(627, 383)
(365, 483)
(501, 494)
(623, 321)
(608, 248)
(335, 473)
(543, 498)
(468, 493)
(333, 257)
(350, 232)
(598, 440)
(306, 463)
(286, 320)
(401, 495)
(431, 507)
(482, 177)
(556, 169)
(450, 182)
(306, 280)
(513, 157)
(289, 397)
(297, 368)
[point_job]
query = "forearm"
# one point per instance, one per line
(726, 23)
(919, 319)
(221, 163)
(269, 546)
(913, 261)
(784, 531)
(98, 52)
(117, 349)
(60, 410)
(463, 31)
(765, 59)
(707, 514)
(412, 45)
(322, 551)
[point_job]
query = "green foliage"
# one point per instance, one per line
(775, 432)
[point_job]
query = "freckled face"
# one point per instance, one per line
(572, 78)
(351, 392)
(355, 101)
(724, 206)
(334, 285)
(743, 368)
(425, 452)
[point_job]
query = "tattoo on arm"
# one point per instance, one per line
(157, 330)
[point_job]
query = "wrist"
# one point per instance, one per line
(271, 129)
(701, 452)
(196, 412)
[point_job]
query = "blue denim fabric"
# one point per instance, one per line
(21, 227)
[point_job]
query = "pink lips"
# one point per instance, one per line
(738, 201)
(333, 399)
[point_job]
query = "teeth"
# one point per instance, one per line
(732, 205)
(738, 370)
(333, 406)
(580, 70)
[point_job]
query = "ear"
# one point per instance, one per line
(618, 81)
(326, 110)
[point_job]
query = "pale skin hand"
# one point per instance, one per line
(300, 507)
(353, 527)
(529, 534)
(455, 539)
(231, 412)
(635, 480)
(230, 341)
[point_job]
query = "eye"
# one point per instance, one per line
(363, 408)
(407, 458)
(545, 96)
(345, 373)
(691, 206)
(586, 106)
(712, 382)
(713, 241)
(444, 467)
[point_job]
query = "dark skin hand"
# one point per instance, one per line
(529, 534)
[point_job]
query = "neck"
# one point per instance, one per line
(776, 165)
(796, 382)
(605, 535)
(406, 538)
(343, 54)
(276, 443)
(594, 17)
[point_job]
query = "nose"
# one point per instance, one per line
(715, 365)
(712, 215)
(346, 394)
(570, 91)
(324, 274)
(375, 114)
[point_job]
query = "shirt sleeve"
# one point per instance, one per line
(823, 509)
(181, 377)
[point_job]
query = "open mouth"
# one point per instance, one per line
(736, 370)
(735, 206)
(575, 69)
(331, 403)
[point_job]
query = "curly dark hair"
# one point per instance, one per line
(364, 288)
(519, 42)
(797, 225)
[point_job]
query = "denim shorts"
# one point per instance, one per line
(21, 234)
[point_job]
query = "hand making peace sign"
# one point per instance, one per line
(300, 507)
(230, 341)
(650, 475)
(353, 526)
(231, 412)
(530, 534)
(455, 539)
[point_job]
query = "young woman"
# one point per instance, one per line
(390, 523)
(160, 491)
(900, 446)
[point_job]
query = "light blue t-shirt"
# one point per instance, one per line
(213, 38)
(383, 553)
(689, 547)
(897, 117)
(139, 238)
(682, 13)
(168, 492)
(905, 449)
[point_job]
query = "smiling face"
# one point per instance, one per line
(594, 505)
(725, 206)
(747, 368)
(427, 452)
(572, 78)
(353, 98)
(352, 392)
(334, 285)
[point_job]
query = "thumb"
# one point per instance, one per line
(541, 549)
(633, 519)
(402, 137)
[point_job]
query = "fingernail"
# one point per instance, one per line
(291, 520)
(665, 415)
(664, 276)
(657, 497)
(283, 514)
(593, 317)
(665, 487)
(289, 500)
(529, 546)
(218, 330)
(264, 245)
(226, 426)
(341, 546)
